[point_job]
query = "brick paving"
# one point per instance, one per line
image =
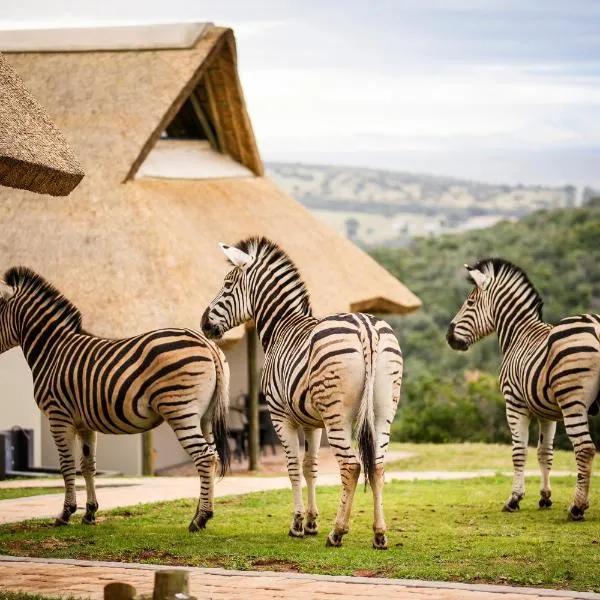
(83, 579)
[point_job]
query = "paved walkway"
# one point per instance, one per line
(85, 579)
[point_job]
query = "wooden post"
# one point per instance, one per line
(169, 583)
(119, 591)
(147, 453)
(253, 387)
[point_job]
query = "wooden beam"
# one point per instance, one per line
(253, 389)
(214, 109)
(204, 121)
(147, 453)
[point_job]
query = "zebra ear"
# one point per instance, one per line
(236, 257)
(6, 291)
(481, 280)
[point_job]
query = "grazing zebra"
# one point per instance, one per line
(549, 371)
(317, 373)
(85, 384)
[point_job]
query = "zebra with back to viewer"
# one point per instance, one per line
(86, 384)
(317, 373)
(550, 371)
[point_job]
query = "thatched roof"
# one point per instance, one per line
(136, 254)
(34, 154)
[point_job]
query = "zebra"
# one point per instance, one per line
(549, 371)
(318, 373)
(86, 384)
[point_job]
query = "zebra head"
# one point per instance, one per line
(475, 319)
(8, 334)
(231, 306)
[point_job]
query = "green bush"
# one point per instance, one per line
(441, 411)
(559, 250)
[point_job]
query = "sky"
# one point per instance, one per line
(498, 90)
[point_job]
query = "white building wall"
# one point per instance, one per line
(122, 453)
(17, 406)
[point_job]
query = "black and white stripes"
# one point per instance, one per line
(328, 372)
(86, 384)
(551, 372)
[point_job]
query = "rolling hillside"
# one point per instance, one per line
(389, 208)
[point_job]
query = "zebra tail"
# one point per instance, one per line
(220, 410)
(365, 426)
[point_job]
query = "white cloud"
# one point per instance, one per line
(506, 105)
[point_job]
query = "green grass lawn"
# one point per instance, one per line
(470, 457)
(442, 530)
(9, 493)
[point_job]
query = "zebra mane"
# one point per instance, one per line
(266, 250)
(20, 277)
(499, 266)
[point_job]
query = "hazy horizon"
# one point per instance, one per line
(490, 90)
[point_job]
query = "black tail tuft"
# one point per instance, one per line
(366, 451)
(219, 427)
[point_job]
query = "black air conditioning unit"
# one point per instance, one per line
(16, 451)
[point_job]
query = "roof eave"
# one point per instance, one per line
(36, 177)
(384, 306)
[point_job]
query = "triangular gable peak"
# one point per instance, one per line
(206, 133)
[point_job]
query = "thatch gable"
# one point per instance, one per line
(34, 154)
(114, 105)
(135, 254)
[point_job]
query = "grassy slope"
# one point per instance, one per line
(8, 493)
(438, 530)
(470, 457)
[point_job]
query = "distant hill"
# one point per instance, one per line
(375, 207)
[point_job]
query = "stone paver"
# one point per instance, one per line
(85, 579)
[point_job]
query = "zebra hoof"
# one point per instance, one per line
(60, 522)
(380, 541)
(576, 513)
(545, 502)
(311, 528)
(333, 540)
(88, 519)
(199, 522)
(512, 505)
(296, 528)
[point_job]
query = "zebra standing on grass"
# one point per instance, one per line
(85, 384)
(552, 372)
(318, 373)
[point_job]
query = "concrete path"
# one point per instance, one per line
(122, 491)
(86, 579)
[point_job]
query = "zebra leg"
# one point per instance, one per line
(189, 434)
(207, 485)
(545, 457)
(577, 427)
(519, 428)
(63, 434)
(310, 467)
(349, 471)
(288, 436)
(88, 470)
(388, 381)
